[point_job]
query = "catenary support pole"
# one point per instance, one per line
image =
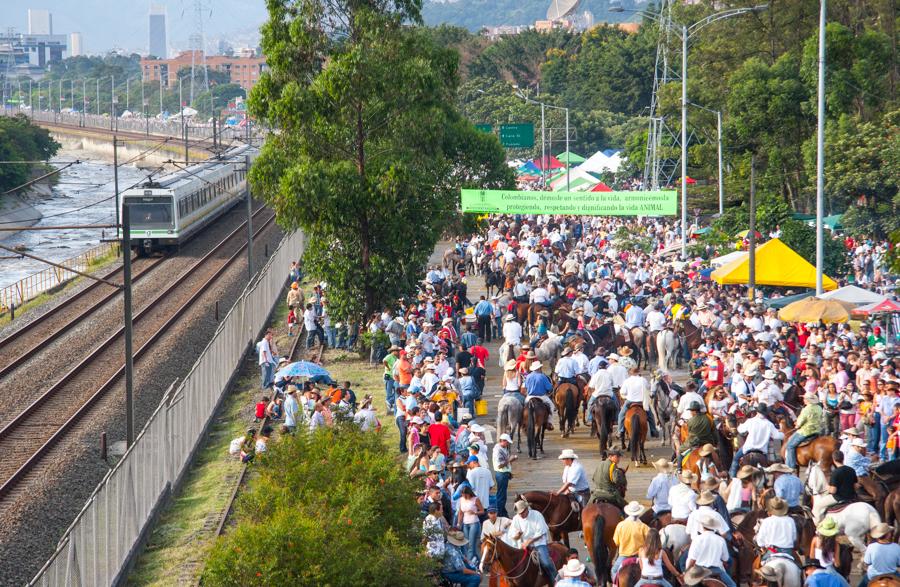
(249, 218)
(129, 360)
(752, 233)
(568, 154)
(684, 150)
(820, 155)
(721, 173)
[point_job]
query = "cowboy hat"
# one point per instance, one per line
(566, 352)
(769, 374)
(663, 465)
(881, 530)
(536, 366)
(625, 351)
(505, 437)
(688, 477)
(567, 453)
(574, 568)
(543, 313)
(695, 407)
(634, 509)
(710, 483)
(828, 527)
(521, 506)
(447, 321)
(530, 355)
(706, 497)
(695, 575)
(457, 538)
(509, 318)
(851, 432)
(811, 398)
(509, 365)
(858, 443)
(708, 520)
(612, 357)
(746, 472)
(778, 468)
(394, 348)
(778, 507)
(476, 428)
(707, 449)
(811, 562)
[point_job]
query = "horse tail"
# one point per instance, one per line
(501, 412)
(874, 519)
(635, 434)
(602, 426)
(598, 550)
(571, 406)
(531, 432)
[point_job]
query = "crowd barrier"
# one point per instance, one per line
(99, 546)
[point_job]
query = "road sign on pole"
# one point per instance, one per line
(517, 136)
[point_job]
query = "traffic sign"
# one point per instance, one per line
(488, 128)
(517, 136)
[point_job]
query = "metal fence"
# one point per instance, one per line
(138, 124)
(97, 547)
(30, 287)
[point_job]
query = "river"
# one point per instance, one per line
(84, 194)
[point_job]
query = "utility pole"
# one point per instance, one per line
(820, 155)
(129, 359)
(127, 91)
(83, 100)
(543, 150)
(112, 102)
(249, 218)
(160, 93)
(684, 82)
(116, 175)
(568, 154)
(721, 177)
(98, 96)
(184, 133)
(30, 99)
(752, 234)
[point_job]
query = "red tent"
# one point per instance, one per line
(552, 163)
(601, 187)
(691, 181)
(878, 308)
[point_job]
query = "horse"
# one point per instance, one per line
(785, 571)
(885, 581)
(493, 280)
(451, 258)
(855, 520)
(603, 414)
(817, 450)
(557, 510)
(636, 429)
(666, 349)
(662, 406)
(517, 567)
(547, 351)
(509, 418)
(629, 573)
(674, 537)
(638, 336)
(565, 395)
(536, 415)
(692, 462)
(598, 524)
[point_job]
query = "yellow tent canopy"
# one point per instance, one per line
(816, 310)
(776, 264)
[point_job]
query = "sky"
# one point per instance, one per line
(108, 24)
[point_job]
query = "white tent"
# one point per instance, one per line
(598, 163)
(574, 174)
(854, 295)
(726, 259)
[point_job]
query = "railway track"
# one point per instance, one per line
(28, 437)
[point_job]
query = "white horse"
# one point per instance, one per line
(509, 418)
(548, 351)
(782, 572)
(674, 537)
(854, 521)
(666, 347)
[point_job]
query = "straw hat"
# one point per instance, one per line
(536, 366)
(778, 507)
(634, 509)
(574, 568)
(457, 538)
(778, 468)
(881, 530)
(708, 520)
(811, 398)
(521, 506)
(567, 454)
(828, 527)
(688, 477)
(746, 472)
(509, 318)
(695, 575)
(706, 497)
(707, 449)
(566, 352)
(509, 365)
(710, 483)
(663, 465)
(625, 351)
(769, 374)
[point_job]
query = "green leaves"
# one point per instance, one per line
(22, 141)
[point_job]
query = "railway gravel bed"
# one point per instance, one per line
(32, 522)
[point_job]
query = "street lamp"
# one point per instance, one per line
(820, 154)
(718, 114)
(543, 142)
(687, 31)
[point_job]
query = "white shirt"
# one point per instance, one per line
(499, 527)
(601, 383)
(777, 531)
(708, 550)
(768, 392)
(693, 526)
(683, 501)
(760, 431)
(687, 399)
(309, 320)
(531, 526)
(512, 333)
(634, 316)
(656, 320)
(566, 367)
(481, 481)
(265, 352)
(539, 295)
(366, 419)
(633, 389)
(618, 373)
(581, 362)
(575, 475)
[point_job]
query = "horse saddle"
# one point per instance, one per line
(838, 507)
(809, 440)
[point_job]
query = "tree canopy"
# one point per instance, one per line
(22, 141)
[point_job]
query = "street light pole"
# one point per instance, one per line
(543, 150)
(684, 78)
(568, 154)
(721, 175)
(820, 155)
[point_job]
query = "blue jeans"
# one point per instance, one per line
(660, 581)
(401, 424)
(469, 403)
(267, 375)
(463, 579)
(790, 453)
(502, 480)
(885, 432)
(650, 421)
(722, 575)
(874, 434)
(331, 336)
(390, 393)
(473, 535)
(311, 335)
(735, 461)
(546, 562)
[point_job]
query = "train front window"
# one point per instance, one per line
(150, 215)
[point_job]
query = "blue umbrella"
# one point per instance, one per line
(307, 370)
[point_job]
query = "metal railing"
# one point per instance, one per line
(136, 124)
(106, 535)
(32, 286)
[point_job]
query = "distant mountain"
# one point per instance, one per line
(474, 14)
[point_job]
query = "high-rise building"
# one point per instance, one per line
(40, 22)
(158, 43)
(75, 48)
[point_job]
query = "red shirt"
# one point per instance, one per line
(261, 410)
(439, 435)
(481, 354)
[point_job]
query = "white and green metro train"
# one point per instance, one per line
(166, 212)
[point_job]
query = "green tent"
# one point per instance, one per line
(570, 158)
(833, 222)
(779, 303)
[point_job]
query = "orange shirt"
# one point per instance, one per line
(404, 371)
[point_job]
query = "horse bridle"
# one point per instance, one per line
(525, 559)
(571, 511)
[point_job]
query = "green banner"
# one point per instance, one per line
(657, 203)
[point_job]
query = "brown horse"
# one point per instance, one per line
(557, 510)
(629, 574)
(885, 581)
(514, 566)
(892, 508)
(636, 429)
(565, 396)
(817, 450)
(692, 464)
(603, 414)
(536, 417)
(598, 523)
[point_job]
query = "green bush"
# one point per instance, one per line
(330, 508)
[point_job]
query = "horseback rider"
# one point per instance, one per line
(683, 498)
(600, 385)
(634, 390)
(658, 491)
(521, 291)
(810, 424)
(777, 533)
(759, 431)
(566, 368)
(539, 385)
(787, 486)
(609, 479)
(528, 530)
(700, 429)
(575, 481)
(860, 463)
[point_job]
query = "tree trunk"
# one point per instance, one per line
(364, 233)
